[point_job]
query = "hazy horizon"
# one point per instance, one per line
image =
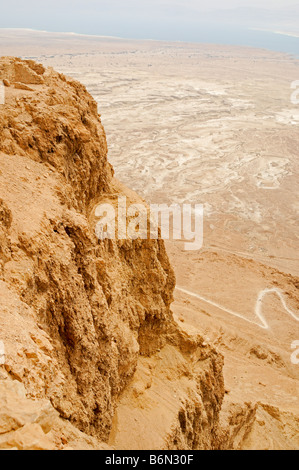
(165, 20)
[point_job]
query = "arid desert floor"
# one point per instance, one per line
(212, 125)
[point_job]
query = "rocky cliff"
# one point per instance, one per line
(92, 353)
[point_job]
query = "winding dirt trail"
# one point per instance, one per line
(258, 308)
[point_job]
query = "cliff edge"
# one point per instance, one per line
(92, 353)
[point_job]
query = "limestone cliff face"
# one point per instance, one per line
(87, 324)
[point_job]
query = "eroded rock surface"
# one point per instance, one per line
(86, 325)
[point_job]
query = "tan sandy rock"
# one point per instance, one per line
(80, 319)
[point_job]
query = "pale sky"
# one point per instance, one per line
(157, 19)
